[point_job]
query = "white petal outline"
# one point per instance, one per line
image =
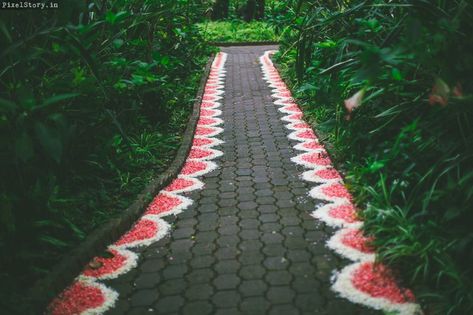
(343, 285)
(197, 184)
(343, 282)
(335, 243)
(213, 154)
(162, 230)
(131, 262)
(185, 203)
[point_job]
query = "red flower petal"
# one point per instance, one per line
(307, 134)
(212, 81)
(108, 265)
(77, 298)
(284, 93)
(209, 97)
(378, 281)
(198, 142)
(312, 145)
(208, 112)
(297, 116)
(196, 153)
(163, 203)
(143, 230)
(192, 167)
(330, 173)
(345, 212)
(206, 121)
(179, 184)
(204, 131)
(302, 125)
(337, 190)
(292, 109)
(316, 158)
(207, 104)
(354, 238)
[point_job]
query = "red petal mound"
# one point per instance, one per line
(179, 184)
(312, 145)
(378, 281)
(279, 85)
(196, 153)
(345, 212)
(286, 102)
(213, 76)
(208, 112)
(198, 142)
(163, 203)
(316, 158)
(212, 81)
(284, 92)
(292, 109)
(207, 104)
(204, 131)
(330, 173)
(143, 230)
(209, 97)
(302, 125)
(210, 90)
(355, 239)
(337, 190)
(108, 265)
(297, 116)
(192, 167)
(206, 121)
(79, 297)
(307, 134)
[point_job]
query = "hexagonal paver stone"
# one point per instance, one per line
(284, 310)
(169, 304)
(252, 272)
(276, 263)
(253, 287)
(280, 295)
(226, 298)
(199, 292)
(147, 280)
(200, 307)
(144, 297)
(254, 305)
(171, 287)
(200, 276)
(227, 266)
(226, 281)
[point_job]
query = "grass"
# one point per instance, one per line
(237, 31)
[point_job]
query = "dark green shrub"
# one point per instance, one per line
(93, 99)
(408, 148)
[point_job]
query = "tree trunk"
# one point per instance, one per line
(250, 10)
(259, 15)
(220, 9)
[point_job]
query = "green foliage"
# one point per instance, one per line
(93, 100)
(237, 31)
(408, 147)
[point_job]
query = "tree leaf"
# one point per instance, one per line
(56, 98)
(118, 42)
(24, 146)
(50, 140)
(7, 105)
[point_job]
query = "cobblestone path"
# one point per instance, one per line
(248, 244)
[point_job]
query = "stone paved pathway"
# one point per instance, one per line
(248, 244)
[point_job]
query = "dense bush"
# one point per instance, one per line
(408, 148)
(93, 99)
(237, 31)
